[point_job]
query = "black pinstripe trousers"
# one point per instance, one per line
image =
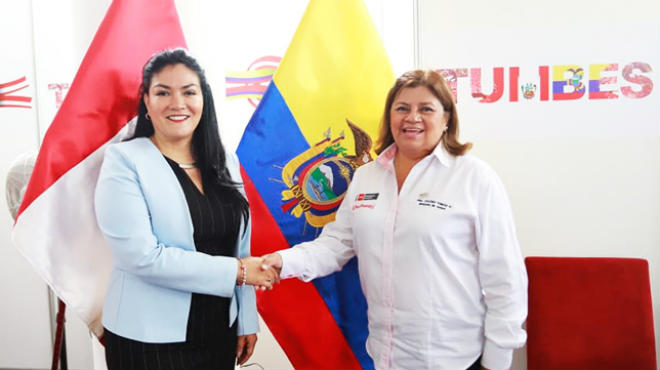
(127, 354)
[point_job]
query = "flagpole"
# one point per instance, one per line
(59, 347)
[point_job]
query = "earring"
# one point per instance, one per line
(147, 116)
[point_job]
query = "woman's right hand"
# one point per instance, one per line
(273, 260)
(256, 275)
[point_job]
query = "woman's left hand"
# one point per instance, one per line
(245, 347)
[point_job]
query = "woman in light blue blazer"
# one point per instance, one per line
(171, 206)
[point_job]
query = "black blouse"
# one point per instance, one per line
(216, 222)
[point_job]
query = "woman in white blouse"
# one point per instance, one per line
(433, 231)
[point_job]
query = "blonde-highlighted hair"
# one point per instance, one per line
(440, 89)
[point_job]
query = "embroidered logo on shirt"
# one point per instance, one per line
(432, 203)
(366, 196)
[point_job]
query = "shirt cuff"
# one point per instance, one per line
(291, 267)
(496, 358)
(293, 264)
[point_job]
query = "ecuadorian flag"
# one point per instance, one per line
(315, 125)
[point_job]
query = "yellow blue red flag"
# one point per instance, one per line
(313, 127)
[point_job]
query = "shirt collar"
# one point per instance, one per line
(443, 155)
(386, 157)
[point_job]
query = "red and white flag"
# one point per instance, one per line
(56, 227)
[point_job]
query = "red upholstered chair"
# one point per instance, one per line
(589, 313)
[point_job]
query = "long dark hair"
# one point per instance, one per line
(438, 87)
(207, 149)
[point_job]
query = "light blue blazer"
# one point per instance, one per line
(143, 215)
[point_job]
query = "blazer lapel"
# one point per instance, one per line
(170, 215)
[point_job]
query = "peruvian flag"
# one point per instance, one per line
(56, 227)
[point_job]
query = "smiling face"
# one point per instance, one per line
(417, 121)
(174, 103)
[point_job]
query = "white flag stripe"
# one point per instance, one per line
(67, 248)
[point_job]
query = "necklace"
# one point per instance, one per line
(187, 166)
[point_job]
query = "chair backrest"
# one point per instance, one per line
(589, 313)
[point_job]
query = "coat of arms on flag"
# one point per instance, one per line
(318, 177)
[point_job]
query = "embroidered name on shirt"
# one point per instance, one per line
(366, 196)
(433, 203)
(362, 197)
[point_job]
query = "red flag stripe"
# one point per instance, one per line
(322, 346)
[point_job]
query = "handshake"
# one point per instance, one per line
(262, 272)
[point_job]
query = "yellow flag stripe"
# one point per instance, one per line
(336, 68)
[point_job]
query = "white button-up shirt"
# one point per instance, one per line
(439, 262)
